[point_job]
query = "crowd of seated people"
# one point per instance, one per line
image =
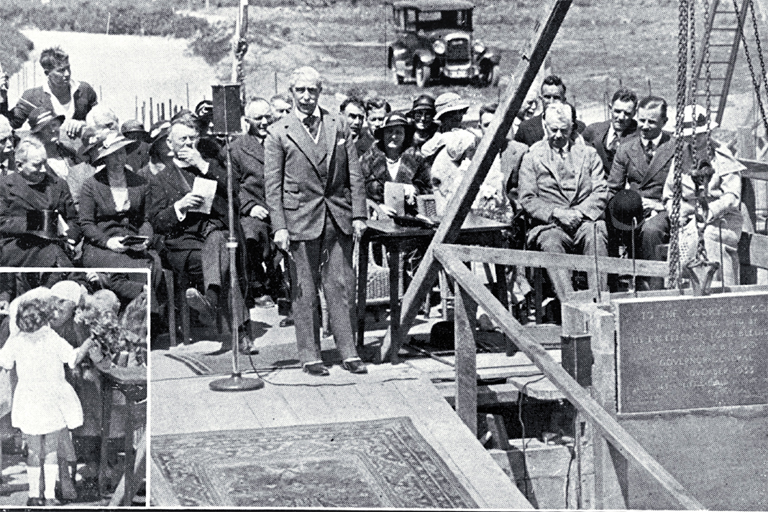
(124, 196)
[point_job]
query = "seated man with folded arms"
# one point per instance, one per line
(563, 190)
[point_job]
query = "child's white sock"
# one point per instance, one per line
(33, 475)
(51, 474)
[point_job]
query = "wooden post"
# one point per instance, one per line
(466, 361)
(170, 108)
(136, 107)
(151, 112)
(187, 95)
(610, 467)
(144, 115)
(460, 204)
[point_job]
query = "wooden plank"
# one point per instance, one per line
(577, 395)
(754, 169)
(493, 394)
(470, 461)
(466, 364)
(554, 12)
(498, 430)
(552, 260)
(753, 250)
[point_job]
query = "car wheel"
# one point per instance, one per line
(423, 74)
(490, 76)
(396, 78)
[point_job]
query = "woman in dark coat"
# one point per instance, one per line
(113, 215)
(392, 158)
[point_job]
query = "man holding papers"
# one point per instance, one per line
(188, 206)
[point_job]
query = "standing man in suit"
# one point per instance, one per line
(563, 190)
(642, 164)
(606, 136)
(316, 199)
(195, 238)
(532, 130)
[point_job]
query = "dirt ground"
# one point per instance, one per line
(601, 46)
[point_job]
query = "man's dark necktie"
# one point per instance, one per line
(649, 152)
(613, 144)
(313, 124)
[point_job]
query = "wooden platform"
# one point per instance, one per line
(185, 404)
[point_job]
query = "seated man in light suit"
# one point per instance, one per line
(563, 189)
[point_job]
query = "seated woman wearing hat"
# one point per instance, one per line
(38, 220)
(62, 159)
(113, 217)
(392, 159)
(713, 165)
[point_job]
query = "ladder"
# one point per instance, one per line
(723, 35)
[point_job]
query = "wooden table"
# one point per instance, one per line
(396, 239)
(132, 383)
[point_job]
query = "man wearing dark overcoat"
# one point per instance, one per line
(607, 136)
(26, 197)
(532, 130)
(316, 199)
(195, 238)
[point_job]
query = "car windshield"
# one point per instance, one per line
(435, 20)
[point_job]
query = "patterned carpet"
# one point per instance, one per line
(370, 464)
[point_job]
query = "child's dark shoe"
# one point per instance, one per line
(35, 502)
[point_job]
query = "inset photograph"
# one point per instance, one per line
(73, 388)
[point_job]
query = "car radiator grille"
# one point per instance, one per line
(457, 51)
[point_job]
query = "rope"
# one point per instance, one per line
(674, 219)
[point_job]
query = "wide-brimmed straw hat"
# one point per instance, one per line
(39, 117)
(695, 120)
(391, 120)
(111, 144)
(449, 102)
(625, 206)
(90, 142)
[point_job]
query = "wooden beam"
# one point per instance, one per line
(466, 360)
(754, 169)
(512, 257)
(753, 250)
(554, 12)
(578, 396)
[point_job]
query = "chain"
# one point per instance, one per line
(755, 82)
(674, 220)
(762, 65)
(693, 82)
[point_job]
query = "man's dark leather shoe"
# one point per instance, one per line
(354, 366)
(316, 369)
(287, 321)
(35, 502)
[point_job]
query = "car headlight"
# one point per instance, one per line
(439, 46)
(478, 47)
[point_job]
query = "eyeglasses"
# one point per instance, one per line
(302, 90)
(5, 140)
(423, 115)
(188, 138)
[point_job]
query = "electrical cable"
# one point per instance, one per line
(522, 428)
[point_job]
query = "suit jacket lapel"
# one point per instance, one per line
(663, 154)
(550, 165)
(299, 135)
(329, 130)
(254, 148)
(577, 159)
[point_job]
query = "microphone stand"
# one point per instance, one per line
(236, 381)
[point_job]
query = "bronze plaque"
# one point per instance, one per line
(692, 352)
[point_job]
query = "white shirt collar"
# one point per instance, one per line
(68, 109)
(301, 115)
(655, 141)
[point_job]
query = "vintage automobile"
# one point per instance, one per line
(434, 40)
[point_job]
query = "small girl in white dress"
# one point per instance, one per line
(44, 404)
